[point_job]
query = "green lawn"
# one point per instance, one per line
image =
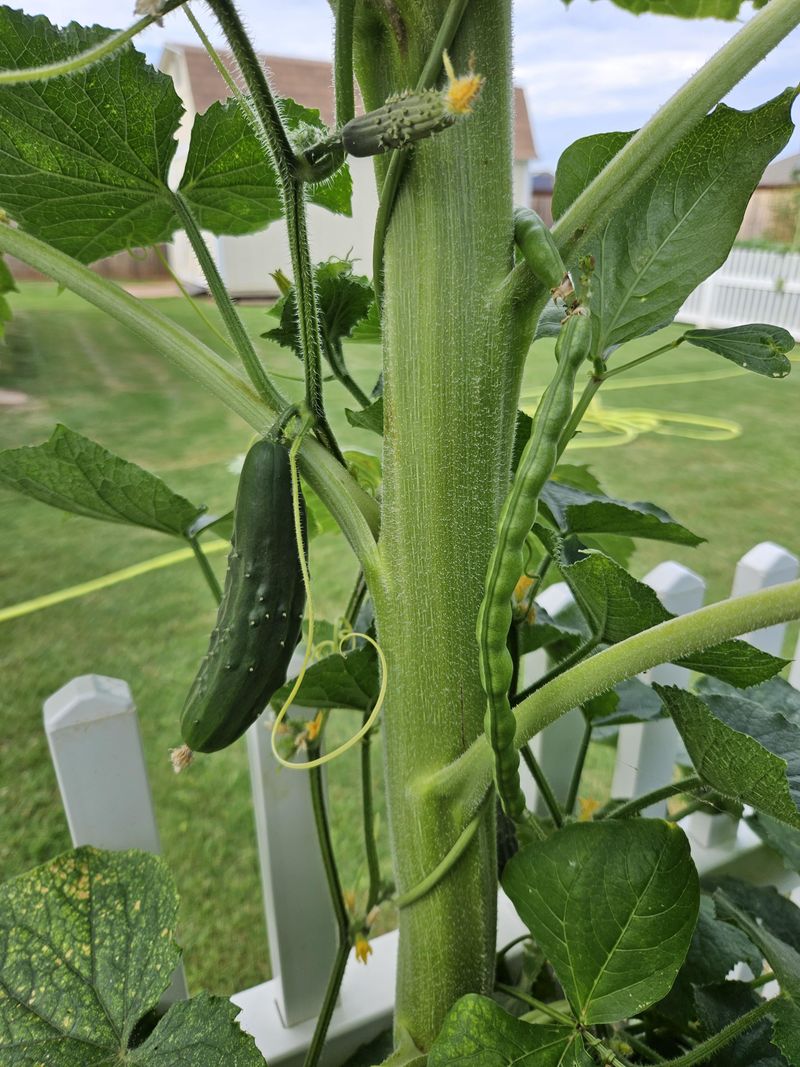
(82, 369)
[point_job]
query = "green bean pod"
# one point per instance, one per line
(538, 248)
(517, 516)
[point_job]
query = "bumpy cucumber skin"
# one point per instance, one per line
(261, 611)
(409, 117)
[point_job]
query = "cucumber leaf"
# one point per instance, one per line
(613, 906)
(370, 418)
(782, 958)
(741, 749)
(786, 1030)
(629, 701)
(756, 347)
(771, 909)
(685, 9)
(71, 472)
(478, 1031)
(86, 950)
(229, 183)
(784, 839)
(84, 157)
(719, 1005)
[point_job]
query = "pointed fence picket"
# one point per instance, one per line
(96, 749)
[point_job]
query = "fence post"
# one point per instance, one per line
(300, 921)
(96, 749)
(556, 746)
(794, 674)
(647, 752)
(763, 566)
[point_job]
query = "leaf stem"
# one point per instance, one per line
(430, 881)
(355, 510)
(577, 772)
(533, 1002)
(210, 326)
(98, 51)
(205, 567)
(343, 63)
(468, 777)
(394, 171)
(340, 911)
(543, 785)
(637, 804)
(580, 409)
(230, 316)
(706, 1049)
(335, 358)
(643, 359)
(578, 654)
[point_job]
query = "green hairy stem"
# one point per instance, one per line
(446, 461)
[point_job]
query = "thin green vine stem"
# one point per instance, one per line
(205, 567)
(333, 353)
(577, 770)
(645, 358)
(339, 908)
(580, 409)
(705, 1050)
(576, 656)
(532, 1002)
(84, 59)
(543, 785)
(355, 510)
(262, 102)
(632, 807)
(394, 172)
(193, 304)
(214, 56)
(466, 780)
(648, 148)
(431, 880)
(368, 818)
(344, 90)
(230, 316)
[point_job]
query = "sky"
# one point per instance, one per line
(586, 68)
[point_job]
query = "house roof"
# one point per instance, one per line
(782, 172)
(310, 82)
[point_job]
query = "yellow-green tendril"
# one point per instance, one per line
(370, 721)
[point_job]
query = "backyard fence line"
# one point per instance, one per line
(96, 750)
(750, 286)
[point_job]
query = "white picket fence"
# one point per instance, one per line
(93, 733)
(750, 286)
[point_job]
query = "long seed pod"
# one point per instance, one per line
(517, 516)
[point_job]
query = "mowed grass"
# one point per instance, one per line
(81, 368)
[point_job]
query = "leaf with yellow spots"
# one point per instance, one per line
(86, 950)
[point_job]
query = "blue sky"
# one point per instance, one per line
(587, 68)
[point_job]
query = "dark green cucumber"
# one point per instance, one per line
(261, 611)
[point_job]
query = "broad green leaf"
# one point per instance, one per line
(771, 909)
(786, 1030)
(680, 225)
(580, 164)
(84, 157)
(343, 298)
(336, 192)
(540, 630)
(86, 949)
(578, 475)
(478, 1033)
(231, 185)
(784, 839)
(618, 607)
(719, 1005)
(629, 701)
(782, 958)
(349, 680)
(756, 347)
(614, 906)
(776, 695)
(365, 468)
(201, 1032)
(716, 948)
(686, 9)
(576, 511)
(741, 749)
(549, 324)
(368, 330)
(370, 418)
(228, 181)
(73, 473)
